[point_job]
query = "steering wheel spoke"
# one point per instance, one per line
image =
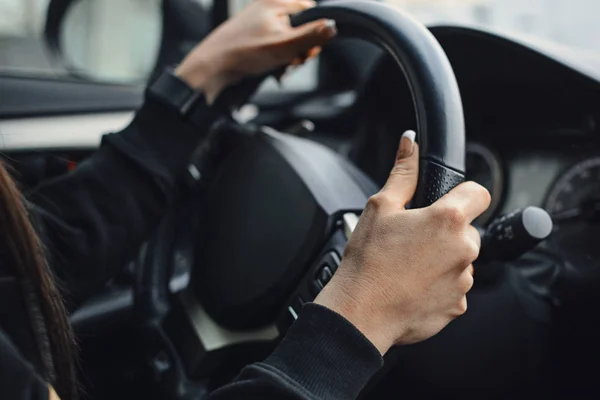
(319, 274)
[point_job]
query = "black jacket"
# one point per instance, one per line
(93, 221)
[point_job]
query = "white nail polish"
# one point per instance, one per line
(405, 149)
(410, 135)
(330, 24)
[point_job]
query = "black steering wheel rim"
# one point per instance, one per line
(426, 68)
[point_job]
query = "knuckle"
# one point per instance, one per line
(478, 190)
(453, 215)
(474, 235)
(379, 201)
(487, 195)
(462, 306)
(459, 308)
(471, 270)
(469, 252)
(466, 282)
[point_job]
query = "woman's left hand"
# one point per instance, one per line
(258, 39)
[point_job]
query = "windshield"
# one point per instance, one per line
(573, 23)
(126, 55)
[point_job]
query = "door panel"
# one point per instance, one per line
(77, 132)
(22, 96)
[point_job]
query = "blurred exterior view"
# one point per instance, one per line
(124, 49)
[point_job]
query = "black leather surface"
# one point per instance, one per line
(431, 79)
(434, 181)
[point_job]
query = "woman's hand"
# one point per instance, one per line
(258, 39)
(52, 394)
(405, 273)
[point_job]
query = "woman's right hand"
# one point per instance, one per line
(257, 40)
(405, 273)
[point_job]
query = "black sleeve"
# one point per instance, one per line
(94, 219)
(18, 379)
(323, 356)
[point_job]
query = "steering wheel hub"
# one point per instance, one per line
(274, 202)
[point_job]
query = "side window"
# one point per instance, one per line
(22, 48)
(112, 40)
(100, 40)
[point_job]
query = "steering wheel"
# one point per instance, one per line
(277, 215)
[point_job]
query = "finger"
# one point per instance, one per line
(466, 280)
(298, 62)
(52, 394)
(312, 53)
(312, 34)
(460, 308)
(402, 183)
(470, 198)
(473, 234)
(295, 6)
(471, 270)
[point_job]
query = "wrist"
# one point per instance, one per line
(210, 79)
(339, 297)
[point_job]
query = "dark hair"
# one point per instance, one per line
(25, 254)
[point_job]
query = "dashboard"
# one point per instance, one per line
(531, 125)
(555, 175)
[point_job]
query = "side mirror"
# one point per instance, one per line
(100, 40)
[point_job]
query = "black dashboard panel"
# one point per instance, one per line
(510, 51)
(538, 115)
(37, 96)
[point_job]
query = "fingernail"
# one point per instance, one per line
(407, 145)
(329, 28)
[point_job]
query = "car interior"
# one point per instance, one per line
(229, 268)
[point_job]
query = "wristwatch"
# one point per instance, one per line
(189, 103)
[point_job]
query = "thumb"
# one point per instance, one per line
(402, 183)
(312, 34)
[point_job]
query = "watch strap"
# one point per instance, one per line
(173, 91)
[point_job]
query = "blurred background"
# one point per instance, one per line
(124, 49)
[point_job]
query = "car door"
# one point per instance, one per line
(72, 71)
